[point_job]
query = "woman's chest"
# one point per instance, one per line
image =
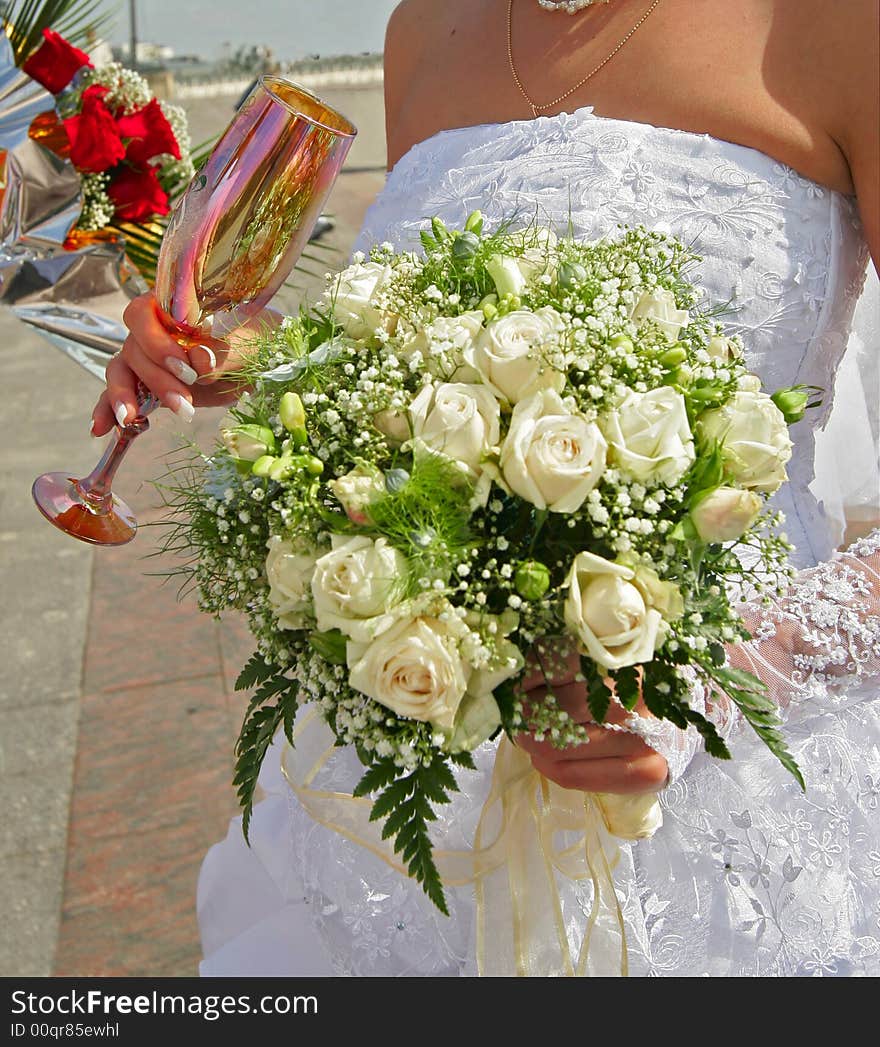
(694, 66)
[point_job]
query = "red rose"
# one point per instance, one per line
(95, 144)
(150, 134)
(55, 62)
(137, 195)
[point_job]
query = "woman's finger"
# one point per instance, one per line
(102, 416)
(141, 317)
(641, 774)
(120, 395)
(603, 743)
(170, 391)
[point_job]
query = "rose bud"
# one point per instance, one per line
(292, 413)
(792, 402)
(262, 466)
(723, 349)
(532, 580)
(725, 514)
(247, 443)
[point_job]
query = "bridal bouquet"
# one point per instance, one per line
(507, 448)
(130, 150)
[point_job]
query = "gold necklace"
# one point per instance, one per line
(535, 107)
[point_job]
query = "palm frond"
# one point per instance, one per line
(25, 20)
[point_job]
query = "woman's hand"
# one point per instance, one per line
(182, 378)
(611, 762)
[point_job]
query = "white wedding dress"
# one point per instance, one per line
(748, 876)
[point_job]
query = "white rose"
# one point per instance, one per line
(649, 435)
(289, 569)
(551, 457)
(357, 584)
(608, 612)
(754, 440)
(631, 817)
(659, 305)
(458, 420)
(394, 425)
(414, 669)
(511, 353)
(723, 349)
(357, 489)
(748, 383)
(725, 514)
(352, 298)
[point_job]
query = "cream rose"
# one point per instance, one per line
(723, 349)
(725, 514)
(659, 305)
(452, 336)
(289, 569)
(511, 274)
(649, 435)
(754, 440)
(459, 420)
(610, 613)
(393, 425)
(552, 457)
(631, 817)
(352, 298)
(357, 489)
(511, 353)
(414, 669)
(357, 585)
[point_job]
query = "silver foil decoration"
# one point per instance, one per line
(74, 298)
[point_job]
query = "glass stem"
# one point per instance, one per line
(95, 488)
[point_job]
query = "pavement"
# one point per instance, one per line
(118, 713)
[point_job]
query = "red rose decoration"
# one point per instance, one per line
(137, 195)
(150, 134)
(95, 144)
(55, 62)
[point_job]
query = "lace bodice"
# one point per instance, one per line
(747, 876)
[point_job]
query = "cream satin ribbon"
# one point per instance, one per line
(515, 861)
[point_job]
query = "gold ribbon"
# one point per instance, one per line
(516, 861)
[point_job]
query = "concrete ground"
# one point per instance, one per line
(117, 710)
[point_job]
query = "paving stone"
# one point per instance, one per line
(30, 903)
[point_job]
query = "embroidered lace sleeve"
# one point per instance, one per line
(820, 642)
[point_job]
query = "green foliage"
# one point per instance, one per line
(427, 517)
(273, 705)
(750, 696)
(626, 684)
(598, 695)
(404, 802)
(25, 20)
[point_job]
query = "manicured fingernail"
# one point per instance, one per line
(181, 370)
(212, 359)
(92, 427)
(121, 412)
(181, 407)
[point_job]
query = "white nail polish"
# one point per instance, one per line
(92, 427)
(121, 412)
(212, 359)
(181, 407)
(181, 370)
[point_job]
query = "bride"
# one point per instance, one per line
(749, 131)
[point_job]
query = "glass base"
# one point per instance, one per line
(101, 521)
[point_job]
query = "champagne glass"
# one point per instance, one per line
(232, 241)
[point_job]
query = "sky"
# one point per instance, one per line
(292, 28)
